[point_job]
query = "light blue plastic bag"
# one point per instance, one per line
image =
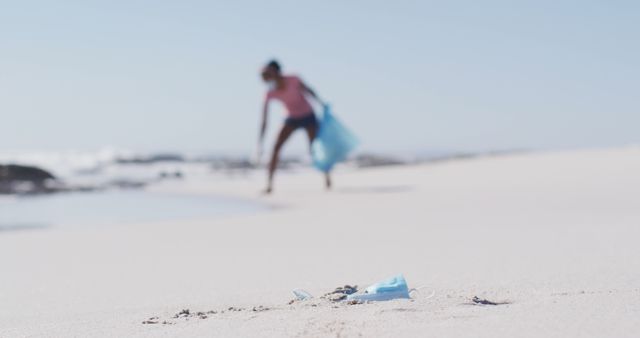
(392, 288)
(333, 143)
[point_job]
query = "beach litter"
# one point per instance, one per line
(301, 294)
(388, 289)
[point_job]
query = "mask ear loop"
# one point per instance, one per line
(417, 290)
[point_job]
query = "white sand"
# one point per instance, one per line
(555, 234)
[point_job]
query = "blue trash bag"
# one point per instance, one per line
(333, 143)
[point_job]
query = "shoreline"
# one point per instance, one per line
(118, 208)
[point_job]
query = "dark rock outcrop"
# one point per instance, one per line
(24, 179)
(151, 159)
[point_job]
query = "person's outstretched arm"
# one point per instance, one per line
(263, 124)
(312, 93)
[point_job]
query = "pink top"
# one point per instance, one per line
(292, 96)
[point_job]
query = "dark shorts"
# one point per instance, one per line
(302, 122)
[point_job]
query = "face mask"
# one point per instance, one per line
(392, 288)
(272, 84)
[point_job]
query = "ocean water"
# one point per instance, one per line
(113, 208)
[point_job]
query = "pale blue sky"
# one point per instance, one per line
(404, 75)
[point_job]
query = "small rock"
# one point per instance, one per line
(340, 293)
(182, 314)
(260, 308)
(479, 301)
(152, 320)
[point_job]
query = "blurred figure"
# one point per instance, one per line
(292, 92)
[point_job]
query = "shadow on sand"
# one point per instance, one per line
(389, 189)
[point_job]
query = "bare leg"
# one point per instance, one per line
(312, 131)
(285, 132)
(327, 180)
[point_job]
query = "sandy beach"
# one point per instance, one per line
(552, 235)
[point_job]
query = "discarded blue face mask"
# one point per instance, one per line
(392, 288)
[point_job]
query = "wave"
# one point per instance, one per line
(67, 163)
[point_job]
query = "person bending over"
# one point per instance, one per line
(292, 93)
